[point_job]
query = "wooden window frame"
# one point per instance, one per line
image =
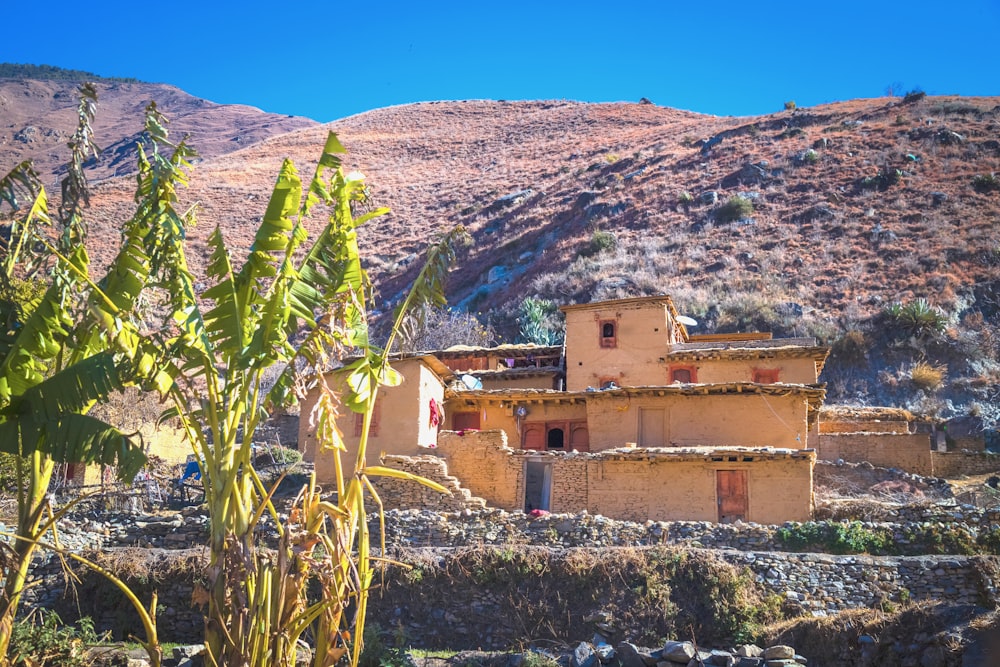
(607, 341)
(359, 421)
(765, 375)
(690, 368)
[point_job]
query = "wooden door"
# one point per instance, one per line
(464, 421)
(734, 502)
(651, 431)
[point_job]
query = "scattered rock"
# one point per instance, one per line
(678, 651)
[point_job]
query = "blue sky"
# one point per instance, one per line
(327, 60)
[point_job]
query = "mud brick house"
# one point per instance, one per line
(635, 417)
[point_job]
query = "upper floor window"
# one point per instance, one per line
(359, 420)
(765, 375)
(683, 374)
(609, 333)
(680, 375)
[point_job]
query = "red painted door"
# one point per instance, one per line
(463, 421)
(533, 435)
(579, 436)
(734, 503)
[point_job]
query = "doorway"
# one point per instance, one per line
(731, 488)
(537, 485)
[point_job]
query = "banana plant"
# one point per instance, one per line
(68, 347)
(297, 306)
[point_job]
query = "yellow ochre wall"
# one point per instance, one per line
(633, 487)
(791, 370)
(643, 334)
(734, 420)
(663, 490)
(404, 420)
(519, 382)
(493, 416)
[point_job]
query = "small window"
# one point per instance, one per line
(765, 375)
(609, 333)
(359, 421)
(555, 438)
(683, 374)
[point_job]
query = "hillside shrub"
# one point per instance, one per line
(926, 376)
(599, 242)
(914, 95)
(916, 318)
(850, 537)
(851, 348)
(883, 180)
(986, 183)
(790, 105)
(809, 156)
(734, 209)
(685, 198)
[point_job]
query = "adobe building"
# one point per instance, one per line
(652, 405)
(405, 420)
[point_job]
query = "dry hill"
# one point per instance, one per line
(840, 210)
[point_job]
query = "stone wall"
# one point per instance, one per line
(417, 528)
(629, 484)
(448, 605)
(462, 610)
(910, 452)
(282, 429)
(956, 464)
(403, 494)
(485, 465)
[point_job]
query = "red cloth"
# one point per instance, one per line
(437, 414)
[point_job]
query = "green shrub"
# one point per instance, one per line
(989, 540)
(383, 649)
(916, 318)
(986, 183)
(809, 156)
(837, 538)
(44, 640)
(734, 209)
(851, 348)
(536, 659)
(951, 540)
(790, 105)
(883, 180)
(599, 242)
(685, 198)
(914, 95)
(276, 455)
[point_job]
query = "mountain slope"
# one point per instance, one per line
(37, 118)
(855, 205)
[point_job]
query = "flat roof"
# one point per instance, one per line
(511, 350)
(781, 348)
(813, 393)
(634, 301)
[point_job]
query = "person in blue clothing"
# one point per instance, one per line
(192, 472)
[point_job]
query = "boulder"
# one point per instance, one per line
(678, 651)
(583, 656)
(779, 652)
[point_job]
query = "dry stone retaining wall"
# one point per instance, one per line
(956, 464)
